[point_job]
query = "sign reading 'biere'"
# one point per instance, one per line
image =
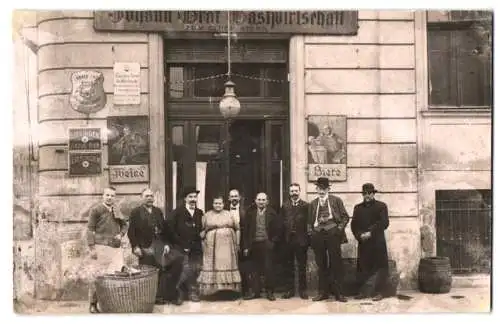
(288, 22)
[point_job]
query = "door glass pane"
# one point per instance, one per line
(247, 79)
(208, 140)
(209, 164)
(277, 84)
(211, 86)
(178, 152)
(276, 165)
(245, 159)
(176, 81)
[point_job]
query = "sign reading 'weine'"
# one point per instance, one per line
(128, 173)
(290, 22)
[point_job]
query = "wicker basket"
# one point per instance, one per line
(128, 293)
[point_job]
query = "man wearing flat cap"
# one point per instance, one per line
(369, 221)
(326, 225)
(184, 228)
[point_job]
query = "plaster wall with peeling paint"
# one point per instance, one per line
(373, 77)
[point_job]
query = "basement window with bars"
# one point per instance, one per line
(463, 229)
(460, 59)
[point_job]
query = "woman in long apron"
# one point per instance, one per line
(220, 234)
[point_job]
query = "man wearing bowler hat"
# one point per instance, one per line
(184, 227)
(326, 226)
(369, 221)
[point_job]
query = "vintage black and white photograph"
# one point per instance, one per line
(252, 162)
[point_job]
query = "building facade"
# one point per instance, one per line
(402, 99)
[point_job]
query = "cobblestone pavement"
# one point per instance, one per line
(465, 300)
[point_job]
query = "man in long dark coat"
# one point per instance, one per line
(369, 221)
(326, 225)
(150, 243)
(294, 214)
(261, 230)
(184, 228)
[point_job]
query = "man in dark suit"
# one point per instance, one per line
(184, 228)
(326, 225)
(294, 214)
(369, 221)
(149, 241)
(261, 230)
(236, 210)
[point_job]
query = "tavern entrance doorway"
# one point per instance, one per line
(249, 152)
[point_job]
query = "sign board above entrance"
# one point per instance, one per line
(288, 22)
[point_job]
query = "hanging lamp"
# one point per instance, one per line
(229, 105)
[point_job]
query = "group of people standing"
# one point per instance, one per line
(234, 249)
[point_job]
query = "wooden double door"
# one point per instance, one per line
(250, 155)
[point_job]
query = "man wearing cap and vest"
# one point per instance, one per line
(184, 228)
(327, 221)
(369, 221)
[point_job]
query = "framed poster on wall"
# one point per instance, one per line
(128, 149)
(327, 147)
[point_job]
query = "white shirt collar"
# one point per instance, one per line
(190, 210)
(237, 207)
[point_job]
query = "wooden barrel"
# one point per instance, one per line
(434, 275)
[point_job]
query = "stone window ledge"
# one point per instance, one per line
(457, 112)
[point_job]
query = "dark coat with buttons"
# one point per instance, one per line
(296, 217)
(274, 226)
(371, 217)
(184, 230)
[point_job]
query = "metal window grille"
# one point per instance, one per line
(463, 229)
